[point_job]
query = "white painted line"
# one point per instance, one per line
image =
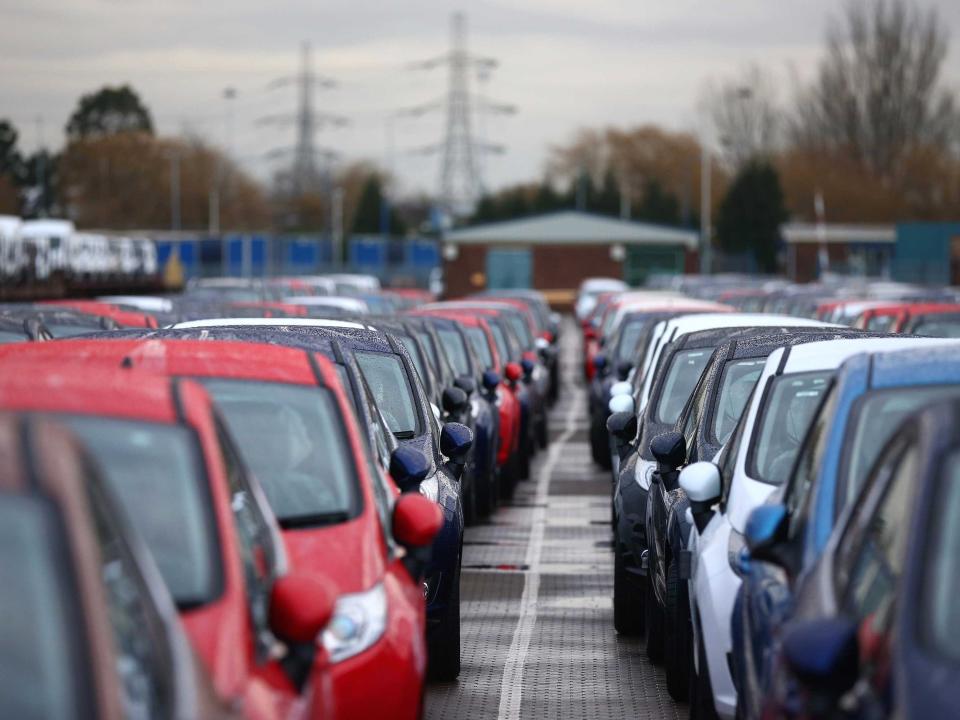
(511, 684)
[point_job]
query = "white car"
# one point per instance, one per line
(352, 305)
(268, 322)
(590, 289)
(757, 458)
(668, 331)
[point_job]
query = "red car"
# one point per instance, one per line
(913, 318)
(338, 513)
(179, 478)
(123, 318)
(91, 630)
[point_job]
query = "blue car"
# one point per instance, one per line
(875, 629)
(868, 398)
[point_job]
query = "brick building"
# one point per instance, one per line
(859, 250)
(555, 252)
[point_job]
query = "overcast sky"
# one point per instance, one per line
(564, 63)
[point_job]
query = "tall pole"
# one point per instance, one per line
(339, 254)
(705, 191)
(41, 168)
(174, 156)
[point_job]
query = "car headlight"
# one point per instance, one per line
(737, 553)
(359, 620)
(430, 488)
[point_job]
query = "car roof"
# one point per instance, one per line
(831, 353)
(916, 366)
(266, 322)
(705, 321)
(762, 344)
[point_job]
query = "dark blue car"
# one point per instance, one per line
(870, 395)
(874, 633)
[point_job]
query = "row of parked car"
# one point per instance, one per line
(219, 505)
(784, 503)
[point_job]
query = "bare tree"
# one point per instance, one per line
(745, 116)
(877, 98)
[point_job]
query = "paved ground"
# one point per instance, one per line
(538, 638)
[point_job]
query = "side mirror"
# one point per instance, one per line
(491, 380)
(542, 343)
(416, 521)
(623, 369)
(513, 371)
(621, 388)
(669, 449)
(527, 366)
(600, 362)
(301, 605)
(622, 425)
(454, 400)
(701, 482)
(823, 654)
(408, 467)
(455, 440)
(466, 383)
(765, 531)
(621, 403)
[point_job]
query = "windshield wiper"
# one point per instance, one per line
(314, 519)
(404, 434)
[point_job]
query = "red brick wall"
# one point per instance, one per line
(460, 274)
(805, 259)
(563, 267)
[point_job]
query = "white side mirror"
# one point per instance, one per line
(701, 481)
(621, 388)
(541, 343)
(621, 403)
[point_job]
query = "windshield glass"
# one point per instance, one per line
(944, 326)
(478, 339)
(36, 677)
(391, 391)
(501, 341)
(411, 345)
(879, 414)
(427, 342)
(739, 379)
(881, 323)
(11, 337)
(455, 349)
(682, 377)
(783, 422)
(519, 327)
(156, 472)
(292, 437)
(628, 341)
(942, 587)
(64, 331)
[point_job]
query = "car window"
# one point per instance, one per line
(739, 379)
(808, 463)
(629, 337)
(427, 342)
(682, 376)
(11, 337)
(478, 339)
(881, 323)
(942, 326)
(414, 351)
(877, 416)
(455, 349)
(501, 342)
(871, 572)
(728, 457)
(143, 669)
(783, 421)
(38, 676)
(387, 380)
(942, 584)
(156, 472)
(292, 438)
(522, 330)
(258, 552)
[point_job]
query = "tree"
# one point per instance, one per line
(373, 216)
(11, 162)
(658, 206)
(751, 213)
(109, 111)
(878, 96)
(745, 117)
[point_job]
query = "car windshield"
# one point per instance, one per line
(11, 337)
(65, 331)
(503, 349)
(878, 415)
(292, 437)
(788, 408)
(427, 342)
(519, 326)
(155, 471)
(881, 323)
(455, 349)
(739, 379)
(36, 677)
(682, 376)
(943, 326)
(391, 391)
(629, 337)
(412, 348)
(942, 586)
(479, 341)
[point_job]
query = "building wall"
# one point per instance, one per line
(927, 253)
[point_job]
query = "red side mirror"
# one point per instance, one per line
(513, 371)
(416, 520)
(301, 605)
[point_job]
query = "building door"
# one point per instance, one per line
(509, 268)
(643, 260)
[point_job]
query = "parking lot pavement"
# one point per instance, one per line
(537, 584)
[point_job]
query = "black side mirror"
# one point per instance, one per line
(765, 533)
(408, 467)
(600, 363)
(454, 400)
(623, 426)
(528, 368)
(466, 383)
(669, 449)
(623, 370)
(824, 655)
(455, 443)
(491, 380)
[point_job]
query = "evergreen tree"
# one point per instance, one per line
(750, 215)
(658, 205)
(107, 112)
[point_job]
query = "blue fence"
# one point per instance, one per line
(259, 255)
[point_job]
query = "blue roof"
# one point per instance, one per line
(921, 366)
